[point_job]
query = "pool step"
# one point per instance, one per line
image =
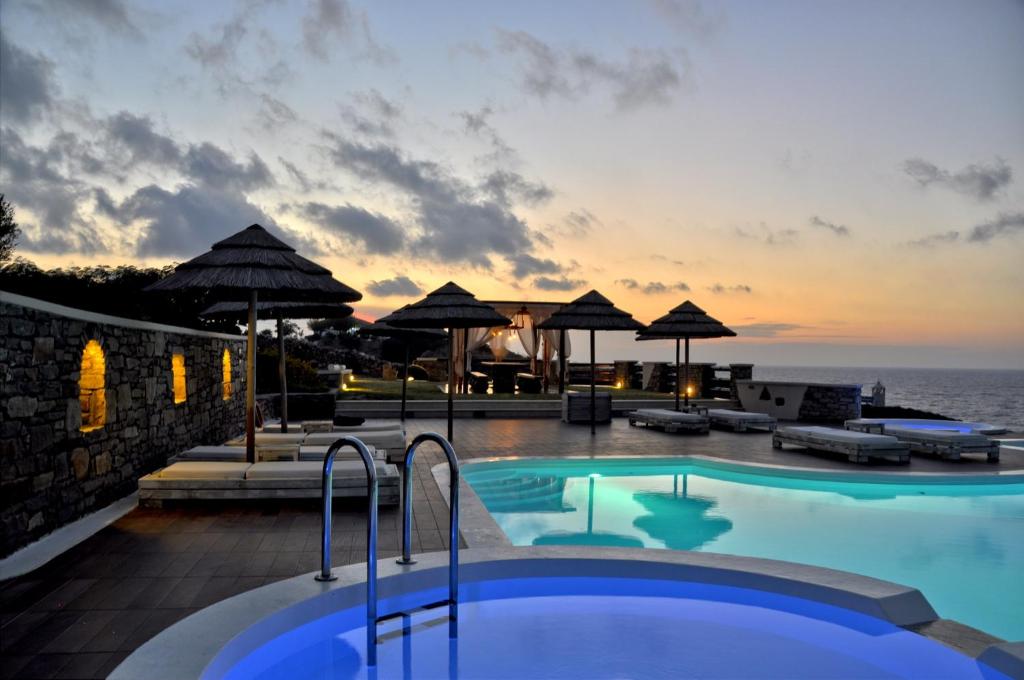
(409, 628)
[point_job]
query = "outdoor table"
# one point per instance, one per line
(503, 373)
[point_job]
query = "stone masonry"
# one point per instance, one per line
(51, 471)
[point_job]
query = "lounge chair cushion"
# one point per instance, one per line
(308, 470)
(204, 469)
(938, 436)
(307, 453)
(731, 414)
(866, 439)
(388, 439)
(214, 453)
(668, 414)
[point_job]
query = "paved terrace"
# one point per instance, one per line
(81, 614)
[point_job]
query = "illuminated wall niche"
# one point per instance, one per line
(226, 378)
(178, 373)
(92, 393)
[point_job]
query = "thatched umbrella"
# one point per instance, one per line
(448, 307)
(408, 337)
(684, 322)
(591, 312)
(238, 311)
(243, 267)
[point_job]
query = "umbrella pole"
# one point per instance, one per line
(561, 362)
(282, 374)
(250, 383)
(686, 388)
(465, 361)
(593, 389)
(679, 377)
(405, 381)
(451, 378)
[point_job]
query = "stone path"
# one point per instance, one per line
(81, 614)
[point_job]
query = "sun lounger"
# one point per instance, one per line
(859, 447)
(211, 480)
(384, 439)
(236, 454)
(948, 444)
(670, 421)
(741, 421)
(271, 439)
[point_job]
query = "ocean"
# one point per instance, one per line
(990, 396)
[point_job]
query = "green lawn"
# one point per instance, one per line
(363, 387)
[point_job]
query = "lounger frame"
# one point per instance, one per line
(738, 423)
(669, 425)
(898, 452)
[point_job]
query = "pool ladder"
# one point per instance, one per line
(372, 619)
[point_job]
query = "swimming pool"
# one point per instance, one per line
(596, 628)
(959, 543)
(562, 612)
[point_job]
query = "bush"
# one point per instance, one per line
(302, 376)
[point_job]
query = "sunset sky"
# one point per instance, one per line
(840, 182)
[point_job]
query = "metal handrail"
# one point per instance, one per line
(371, 534)
(453, 518)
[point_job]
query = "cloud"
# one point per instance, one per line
(979, 181)
(185, 221)
(336, 22)
(690, 17)
(837, 229)
(507, 188)
(766, 330)
(1004, 225)
(274, 113)
(935, 239)
(458, 222)
(580, 223)
(771, 237)
(524, 265)
(559, 284)
(220, 48)
(301, 178)
(652, 287)
(46, 182)
(399, 285)
(379, 234)
(645, 77)
(719, 289)
(137, 136)
(112, 15)
(210, 165)
(371, 114)
(27, 88)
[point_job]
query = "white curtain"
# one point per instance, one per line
(476, 338)
(551, 348)
(528, 336)
(497, 343)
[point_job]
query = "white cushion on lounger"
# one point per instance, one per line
(204, 469)
(668, 414)
(390, 439)
(732, 414)
(848, 436)
(346, 453)
(214, 453)
(307, 470)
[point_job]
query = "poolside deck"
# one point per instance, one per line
(82, 613)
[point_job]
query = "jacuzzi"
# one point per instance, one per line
(563, 612)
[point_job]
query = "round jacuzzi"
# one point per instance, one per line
(565, 612)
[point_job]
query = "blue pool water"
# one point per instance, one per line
(610, 628)
(961, 544)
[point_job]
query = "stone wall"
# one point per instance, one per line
(52, 472)
(830, 403)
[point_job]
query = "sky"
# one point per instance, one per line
(839, 182)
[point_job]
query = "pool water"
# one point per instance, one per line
(961, 544)
(610, 628)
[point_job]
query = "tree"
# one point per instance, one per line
(8, 230)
